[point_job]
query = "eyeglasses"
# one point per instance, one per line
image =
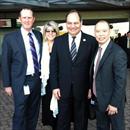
(53, 31)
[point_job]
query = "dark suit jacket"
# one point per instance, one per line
(122, 42)
(111, 77)
(64, 73)
(14, 60)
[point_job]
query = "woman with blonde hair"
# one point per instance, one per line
(50, 31)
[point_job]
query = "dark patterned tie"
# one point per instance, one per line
(73, 50)
(96, 68)
(34, 54)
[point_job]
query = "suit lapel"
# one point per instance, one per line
(21, 43)
(80, 49)
(105, 55)
(66, 46)
(92, 64)
(81, 46)
(39, 40)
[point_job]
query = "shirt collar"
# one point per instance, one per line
(104, 45)
(77, 36)
(25, 32)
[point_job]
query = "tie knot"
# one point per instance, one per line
(29, 34)
(99, 48)
(73, 38)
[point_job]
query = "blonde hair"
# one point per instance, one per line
(52, 24)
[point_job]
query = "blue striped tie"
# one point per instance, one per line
(73, 50)
(34, 54)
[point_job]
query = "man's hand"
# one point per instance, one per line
(111, 110)
(89, 94)
(56, 93)
(8, 90)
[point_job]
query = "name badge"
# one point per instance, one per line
(92, 102)
(26, 90)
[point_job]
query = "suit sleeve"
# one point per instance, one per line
(54, 67)
(120, 76)
(6, 62)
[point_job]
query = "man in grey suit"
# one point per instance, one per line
(109, 80)
(21, 54)
(69, 72)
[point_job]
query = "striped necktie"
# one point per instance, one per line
(73, 50)
(34, 54)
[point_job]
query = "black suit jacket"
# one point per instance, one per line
(111, 77)
(14, 60)
(64, 73)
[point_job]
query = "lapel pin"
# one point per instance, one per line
(84, 40)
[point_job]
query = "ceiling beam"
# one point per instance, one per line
(26, 2)
(113, 2)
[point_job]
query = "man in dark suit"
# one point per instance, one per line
(69, 72)
(124, 43)
(110, 80)
(21, 78)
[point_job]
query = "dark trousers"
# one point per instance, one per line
(110, 122)
(27, 106)
(66, 112)
(47, 114)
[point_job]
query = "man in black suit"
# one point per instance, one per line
(109, 76)
(21, 76)
(124, 43)
(69, 75)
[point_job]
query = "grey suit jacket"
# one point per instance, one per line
(111, 77)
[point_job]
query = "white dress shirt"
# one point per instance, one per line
(104, 46)
(77, 40)
(30, 64)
